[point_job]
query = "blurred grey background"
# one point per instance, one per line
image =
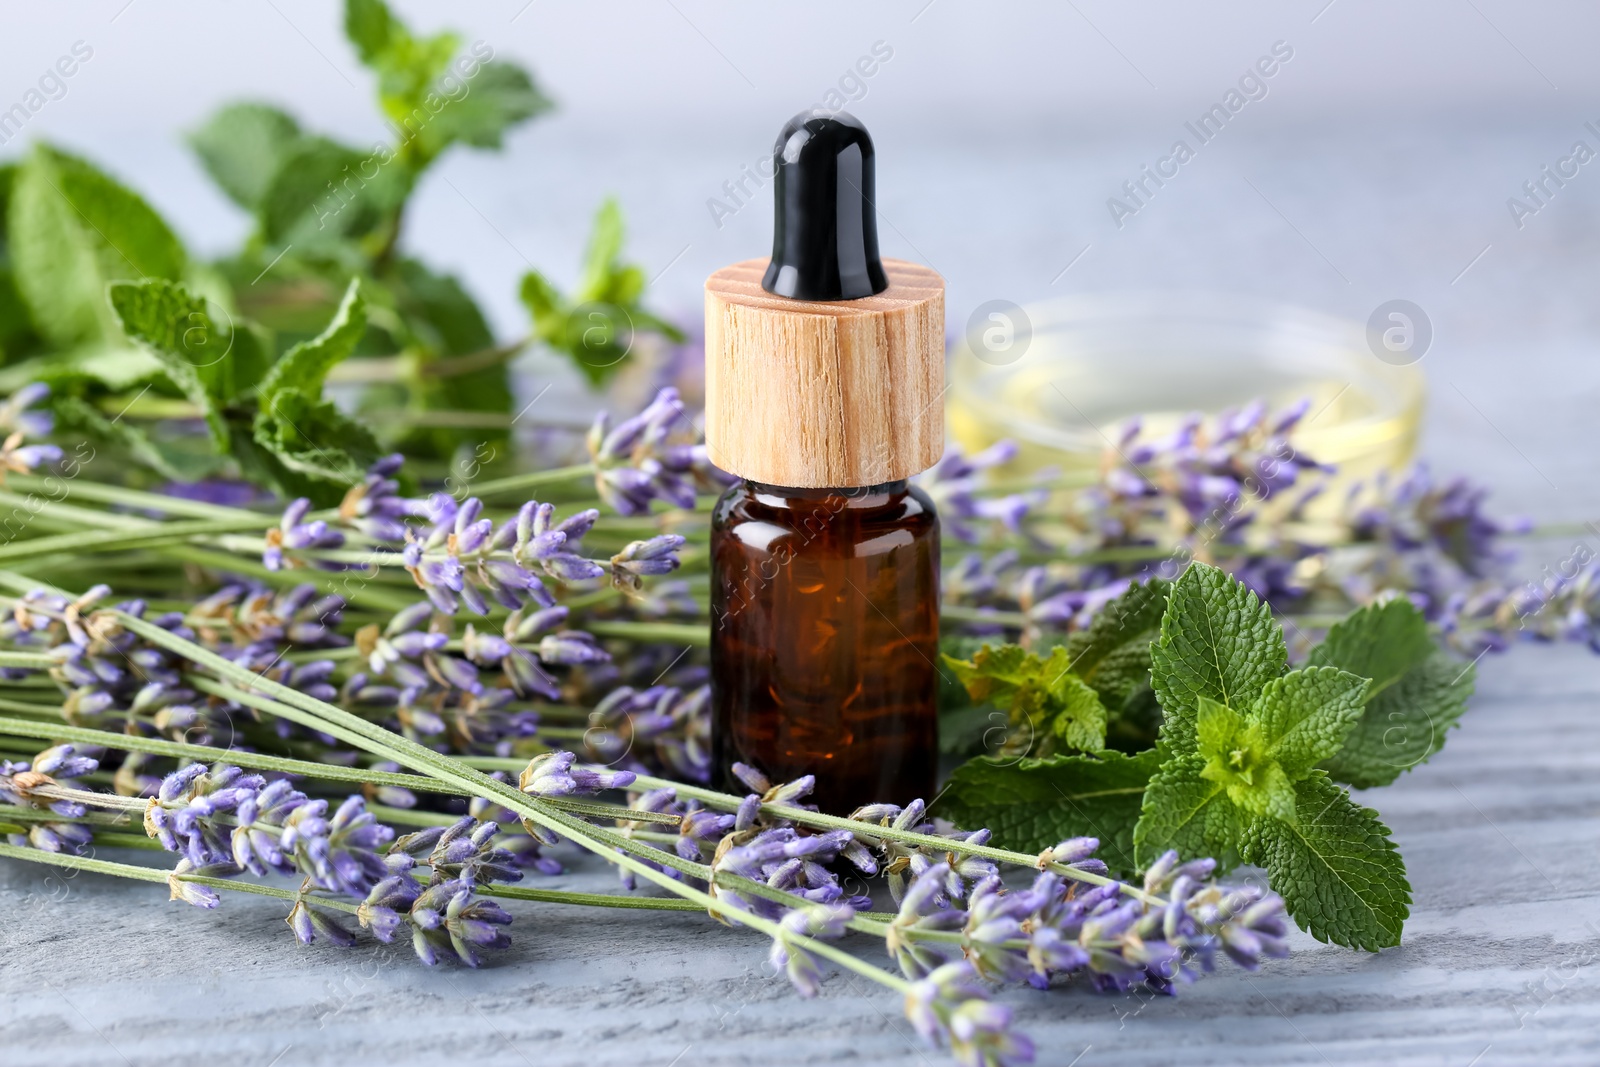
(1376, 162)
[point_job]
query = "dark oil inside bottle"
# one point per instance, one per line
(825, 639)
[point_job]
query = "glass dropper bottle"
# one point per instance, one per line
(824, 386)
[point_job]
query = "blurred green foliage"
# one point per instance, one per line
(99, 298)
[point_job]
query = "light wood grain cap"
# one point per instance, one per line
(823, 395)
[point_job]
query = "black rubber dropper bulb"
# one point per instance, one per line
(825, 224)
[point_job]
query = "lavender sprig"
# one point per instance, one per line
(222, 815)
(18, 782)
(636, 462)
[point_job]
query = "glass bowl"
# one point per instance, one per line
(1091, 362)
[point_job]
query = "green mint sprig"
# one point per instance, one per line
(1418, 692)
(1240, 743)
(1047, 703)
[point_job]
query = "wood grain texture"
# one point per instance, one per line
(823, 395)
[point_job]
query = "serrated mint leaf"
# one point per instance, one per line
(1113, 653)
(1183, 810)
(1404, 724)
(1335, 867)
(305, 367)
(326, 449)
(1238, 758)
(1042, 695)
(597, 327)
(1077, 717)
(1218, 640)
(1113, 656)
(173, 326)
(70, 231)
(1306, 715)
(1217, 726)
(242, 147)
(1380, 642)
(964, 724)
(324, 193)
(497, 97)
(1033, 804)
(1417, 693)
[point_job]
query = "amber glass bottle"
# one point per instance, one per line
(825, 638)
(825, 371)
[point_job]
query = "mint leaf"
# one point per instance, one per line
(70, 231)
(1218, 640)
(1113, 656)
(1306, 715)
(964, 724)
(498, 97)
(1042, 695)
(597, 328)
(1183, 810)
(242, 146)
(1380, 642)
(17, 334)
(324, 449)
(1417, 694)
(1033, 804)
(372, 29)
(304, 367)
(1335, 867)
(174, 327)
(324, 192)
(1238, 757)
(1113, 653)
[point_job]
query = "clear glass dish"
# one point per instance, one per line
(1094, 361)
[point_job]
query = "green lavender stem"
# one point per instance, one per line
(303, 768)
(160, 876)
(533, 480)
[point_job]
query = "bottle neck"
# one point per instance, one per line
(860, 493)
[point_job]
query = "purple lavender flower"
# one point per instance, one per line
(16, 418)
(823, 921)
(446, 917)
(23, 459)
(294, 532)
(299, 616)
(954, 483)
(309, 922)
(48, 768)
(950, 1003)
(674, 726)
(375, 507)
(783, 859)
(201, 896)
(636, 465)
(641, 559)
(217, 815)
(525, 849)
(461, 556)
(465, 851)
(556, 774)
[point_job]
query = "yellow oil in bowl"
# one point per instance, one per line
(1079, 368)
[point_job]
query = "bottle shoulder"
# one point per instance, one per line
(899, 505)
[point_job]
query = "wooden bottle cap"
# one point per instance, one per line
(824, 394)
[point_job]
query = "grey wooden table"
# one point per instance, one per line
(1501, 834)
